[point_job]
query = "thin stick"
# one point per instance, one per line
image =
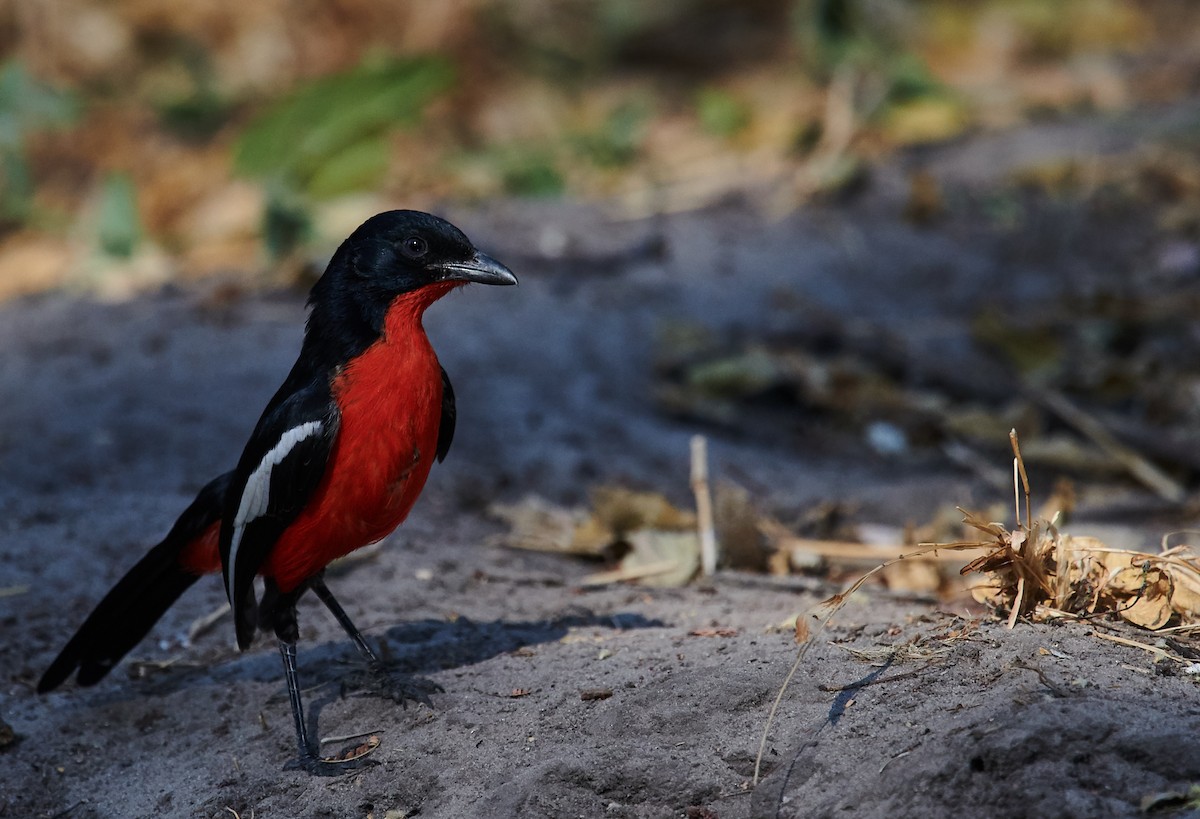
(762, 744)
(848, 551)
(345, 737)
(1141, 469)
(1143, 646)
(636, 573)
(1019, 467)
(704, 506)
(807, 637)
(1016, 492)
(832, 605)
(203, 624)
(1016, 608)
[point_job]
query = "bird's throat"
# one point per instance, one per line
(406, 310)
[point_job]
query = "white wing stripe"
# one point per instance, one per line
(257, 494)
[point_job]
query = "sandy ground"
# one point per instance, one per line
(114, 414)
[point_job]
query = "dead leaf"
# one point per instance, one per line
(356, 752)
(715, 631)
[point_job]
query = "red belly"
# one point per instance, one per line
(390, 399)
(391, 403)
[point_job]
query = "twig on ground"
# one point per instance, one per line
(704, 506)
(1139, 467)
(636, 573)
(1160, 653)
(347, 737)
(202, 625)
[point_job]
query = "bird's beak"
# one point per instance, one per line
(482, 269)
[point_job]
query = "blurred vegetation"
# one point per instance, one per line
(26, 107)
(225, 134)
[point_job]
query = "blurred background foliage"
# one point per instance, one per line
(181, 140)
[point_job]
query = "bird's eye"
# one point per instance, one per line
(415, 247)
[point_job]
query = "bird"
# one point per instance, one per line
(336, 461)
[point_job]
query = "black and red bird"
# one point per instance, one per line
(336, 461)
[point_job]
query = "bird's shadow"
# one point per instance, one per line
(426, 646)
(408, 649)
(767, 799)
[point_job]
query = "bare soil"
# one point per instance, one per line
(113, 414)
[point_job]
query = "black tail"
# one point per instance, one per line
(134, 605)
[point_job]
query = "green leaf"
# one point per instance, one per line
(356, 167)
(531, 174)
(325, 120)
(26, 105)
(720, 112)
(616, 143)
(16, 186)
(120, 226)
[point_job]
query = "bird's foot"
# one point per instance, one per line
(380, 681)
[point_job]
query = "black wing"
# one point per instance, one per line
(449, 415)
(282, 465)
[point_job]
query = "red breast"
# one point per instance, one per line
(390, 401)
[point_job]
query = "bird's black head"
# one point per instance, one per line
(404, 250)
(389, 255)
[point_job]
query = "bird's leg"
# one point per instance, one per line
(317, 584)
(282, 611)
(287, 650)
(400, 689)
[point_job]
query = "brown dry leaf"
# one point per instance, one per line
(1185, 597)
(620, 510)
(539, 525)
(914, 577)
(357, 752)
(1040, 572)
(743, 543)
(662, 547)
(32, 264)
(680, 551)
(1151, 608)
(1132, 584)
(715, 631)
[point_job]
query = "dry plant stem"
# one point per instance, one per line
(1141, 469)
(807, 638)
(1019, 466)
(1125, 641)
(844, 550)
(704, 506)
(1016, 492)
(1016, 606)
(619, 575)
(347, 737)
(1028, 538)
(203, 624)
